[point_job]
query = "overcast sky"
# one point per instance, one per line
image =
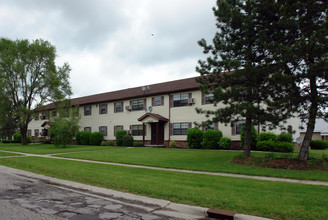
(115, 44)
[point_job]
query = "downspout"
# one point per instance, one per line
(169, 120)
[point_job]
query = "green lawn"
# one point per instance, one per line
(3, 154)
(202, 160)
(50, 148)
(263, 198)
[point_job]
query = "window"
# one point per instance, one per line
(44, 116)
(290, 129)
(180, 100)
(87, 129)
(54, 113)
(137, 130)
(209, 98)
(103, 129)
(138, 105)
(87, 110)
(29, 133)
(102, 109)
(117, 127)
(180, 128)
(36, 132)
(118, 107)
(158, 100)
(237, 127)
(36, 117)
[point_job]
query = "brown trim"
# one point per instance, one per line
(216, 126)
(233, 128)
(203, 98)
(171, 101)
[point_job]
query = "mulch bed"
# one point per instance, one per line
(284, 163)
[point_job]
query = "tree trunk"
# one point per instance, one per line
(304, 151)
(23, 130)
(247, 141)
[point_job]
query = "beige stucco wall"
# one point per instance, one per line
(175, 114)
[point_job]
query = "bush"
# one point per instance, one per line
(78, 138)
(119, 137)
(85, 137)
(265, 136)
(127, 140)
(194, 137)
(286, 147)
(46, 142)
(267, 145)
(7, 141)
(225, 143)
(110, 143)
(285, 137)
(318, 144)
(96, 138)
(173, 144)
(138, 144)
(211, 139)
(254, 137)
(17, 137)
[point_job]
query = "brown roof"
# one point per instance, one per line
(132, 93)
(156, 116)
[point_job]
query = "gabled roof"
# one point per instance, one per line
(137, 92)
(155, 116)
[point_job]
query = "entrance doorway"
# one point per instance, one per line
(157, 133)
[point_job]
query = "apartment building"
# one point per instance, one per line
(155, 114)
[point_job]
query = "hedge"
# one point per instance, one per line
(270, 145)
(84, 137)
(211, 139)
(194, 137)
(318, 144)
(119, 137)
(127, 140)
(96, 138)
(285, 137)
(138, 144)
(265, 136)
(225, 143)
(254, 137)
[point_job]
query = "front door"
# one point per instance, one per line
(157, 133)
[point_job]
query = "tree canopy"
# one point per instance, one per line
(30, 77)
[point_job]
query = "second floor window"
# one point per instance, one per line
(87, 110)
(209, 98)
(102, 109)
(44, 116)
(158, 100)
(137, 105)
(180, 100)
(118, 107)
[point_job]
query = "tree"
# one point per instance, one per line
(30, 78)
(8, 123)
(238, 70)
(63, 128)
(299, 49)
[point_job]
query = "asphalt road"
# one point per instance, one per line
(22, 198)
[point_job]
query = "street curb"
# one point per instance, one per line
(165, 207)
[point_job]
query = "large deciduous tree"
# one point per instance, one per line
(237, 72)
(31, 78)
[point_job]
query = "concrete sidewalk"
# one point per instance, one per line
(277, 179)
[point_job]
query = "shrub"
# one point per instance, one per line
(173, 144)
(110, 143)
(46, 142)
(85, 137)
(119, 137)
(17, 137)
(267, 145)
(265, 136)
(211, 139)
(194, 137)
(96, 138)
(285, 137)
(225, 143)
(127, 140)
(283, 147)
(318, 144)
(7, 141)
(138, 144)
(78, 138)
(254, 137)
(104, 143)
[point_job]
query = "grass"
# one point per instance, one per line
(263, 198)
(3, 154)
(50, 148)
(201, 160)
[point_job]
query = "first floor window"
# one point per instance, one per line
(137, 130)
(29, 133)
(103, 129)
(54, 113)
(36, 132)
(180, 100)
(116, 128)
(180, 128)
(237, 126)
(87, 129)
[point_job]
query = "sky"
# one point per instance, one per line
(115, 44)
